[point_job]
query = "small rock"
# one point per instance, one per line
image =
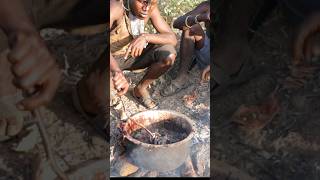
(29, 141)
(124, 167)
(123, 115)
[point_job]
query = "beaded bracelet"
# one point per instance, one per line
(186, 21)
(196, 19)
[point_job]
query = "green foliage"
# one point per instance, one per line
(171, 9)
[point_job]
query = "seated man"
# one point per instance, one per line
(132, 49)
(26, 65)
(194, 43)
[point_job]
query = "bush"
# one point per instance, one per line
(171, 9)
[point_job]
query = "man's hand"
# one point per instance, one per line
(120, 83)
(34, 68)
(204, 17)
(136, 46)
(206, 74)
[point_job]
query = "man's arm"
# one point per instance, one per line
(114, 67)
(120, 83)
(14, 17)
(166, 35)
(116, 12)
(203, 10)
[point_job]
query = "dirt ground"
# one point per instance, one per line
(197, 109)
(288, 146)
(73, 139)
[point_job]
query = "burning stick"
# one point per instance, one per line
(153, 135)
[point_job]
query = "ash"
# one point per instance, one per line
(198, 111)
(163, 136)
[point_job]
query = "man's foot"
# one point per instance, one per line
(142, 95)
(175, 86)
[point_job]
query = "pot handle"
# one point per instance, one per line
(121, 128)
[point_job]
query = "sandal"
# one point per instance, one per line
(145, 101)
(97, 121)
(10, 112)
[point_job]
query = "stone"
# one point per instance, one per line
(29, 141)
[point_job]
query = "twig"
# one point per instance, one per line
(152, 134)
(123, 107)
(48, 148)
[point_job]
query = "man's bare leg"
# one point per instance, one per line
(192, 39)
(154, 72)
(231, 46)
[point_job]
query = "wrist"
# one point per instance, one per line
(22, 28)
(117, 71)
(196, 19)
(146, 39)
(201, 18)
(16, 35)
(145, 36)
(186, 23)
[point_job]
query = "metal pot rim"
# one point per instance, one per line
(188, 138)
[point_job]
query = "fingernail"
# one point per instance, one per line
(20, 107)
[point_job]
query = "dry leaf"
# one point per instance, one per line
(189, 99)
(256, 117)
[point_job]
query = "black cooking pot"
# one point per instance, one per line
(154, 157)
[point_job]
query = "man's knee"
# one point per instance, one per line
(169, 61)
(167, 55)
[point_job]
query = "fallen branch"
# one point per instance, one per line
(48, 148)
